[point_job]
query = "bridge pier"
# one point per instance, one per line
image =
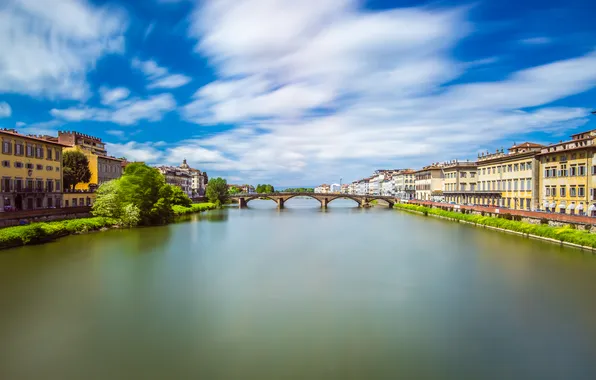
(280, 203)
(324, 202)
(242, 203)
(364, 203)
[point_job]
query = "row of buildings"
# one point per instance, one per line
(31, 175)
(560, 177)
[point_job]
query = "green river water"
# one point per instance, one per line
(300, 293)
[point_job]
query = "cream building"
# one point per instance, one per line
(460, 184)
(509, 179)
(429, 183)
(404, 184)
(568, 175)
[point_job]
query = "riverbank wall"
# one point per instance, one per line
(564, 234)
(49, 230)
(8, 219)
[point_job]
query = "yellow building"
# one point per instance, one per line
(103, 168)
(31, 172)
(76, 199)
(509, 179)
(567, 176)
(460, 181)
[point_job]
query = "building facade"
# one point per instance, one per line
(198, 179)
(404, 184)
(31, 172)
(176, 177)
(509, 179)
(103, 167)
(460, 181)
(568, 175)
(429, 183)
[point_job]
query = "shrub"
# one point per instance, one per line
(504, 221)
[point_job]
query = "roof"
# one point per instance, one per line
(527, 145)
(12, 132)
(110, 158)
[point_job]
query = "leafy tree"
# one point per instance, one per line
(299, 190)
(145, 187)
(108, 202)
(234, 190)
(131, 215)
(265, 189)
(217, 191)
(75, 169)
(179, 197)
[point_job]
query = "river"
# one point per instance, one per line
(301, 293)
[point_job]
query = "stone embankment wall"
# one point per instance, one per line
(8, 219)
(534, 217)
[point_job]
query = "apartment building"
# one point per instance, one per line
(509, 179)
(198, 179)
(176, 177)
(429, 183)
(103, 167)
(31, 172)
(460, 183)
(568, 175)
(404, 184)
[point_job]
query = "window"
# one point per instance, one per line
(528, 184)
(57, 155)
(74, 202)
(18, 149)
(39, 185)
(39, 167)
(49, 168)
(509, 185)
(522, 166)
(529, 165)
(515, 185)
(49, 153)
(547, 191)
(39, 202)
(29, 166)
(6, 164)
(573, 170)
(521, 184)
(563, 191)
(594, 170)
(581, 191)
(39, 152)
(29, 150)
(58, 185)
(49, 185)
(18, 164)
(563, 171)
(499, 169)
(515, 167)
(572, 191)
(581, 170)
(57, 168)
(6, 147)
(18, 184)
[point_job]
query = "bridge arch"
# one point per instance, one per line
(324, 199)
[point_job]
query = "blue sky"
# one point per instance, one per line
(299, 92)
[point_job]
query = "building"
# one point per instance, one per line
(335, 188)
(460, 183)
(103, 167)
(31, 175)
(323, 189)
(345, 188)
(567, 177)
(509, 179)
(198, 179)
(403, 184)
(429, 183)
(177, 177)
(77, 199)
(387, 187)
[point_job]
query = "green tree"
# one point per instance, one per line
(108, 202)
(75, 169)
(146, 188)
(259, 189)
(179, 197)
(217, 191)
(233, 190)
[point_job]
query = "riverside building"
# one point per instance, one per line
(568, 175)
(509, 179)
(460, 185)
(31, 172)
(429, 183)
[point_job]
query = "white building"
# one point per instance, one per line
(323, 189)
(177, 177)
(334, 188)
(403, 182)
(198, 179)
(387, 186)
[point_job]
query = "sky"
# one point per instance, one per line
(298, 93)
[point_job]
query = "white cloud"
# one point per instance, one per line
(49, 128)
(5, 109)
(116, 133)
(158, 76)
(110, 96)
(536, 41)
(19, 124)
(125, 112)
(320, 87)
(135, 151)
(48, 49)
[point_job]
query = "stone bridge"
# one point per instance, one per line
(324, 199)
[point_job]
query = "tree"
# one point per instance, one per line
(233, 190)
(217, 191)
(265, 189)
(108, 202)
(179, 197)
(75, 169)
